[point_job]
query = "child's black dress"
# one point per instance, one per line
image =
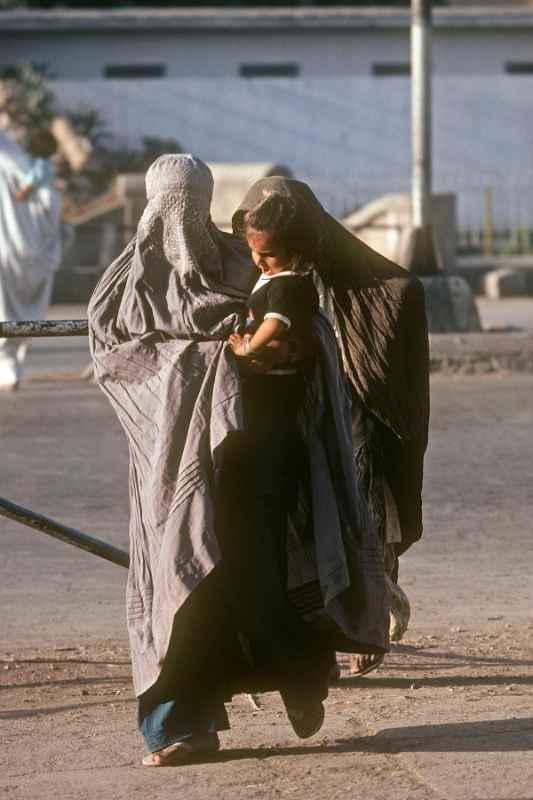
(265, 475)
(290, 297)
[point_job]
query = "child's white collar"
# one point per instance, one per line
(263, 279)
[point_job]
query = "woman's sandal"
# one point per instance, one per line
(374, 661)
(185, 752)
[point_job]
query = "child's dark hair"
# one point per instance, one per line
(42, 143)
(284, 219)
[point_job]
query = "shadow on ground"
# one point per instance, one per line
(20, 713)
(446, 680)
(487, 736)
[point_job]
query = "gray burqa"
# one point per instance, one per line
(159, 319)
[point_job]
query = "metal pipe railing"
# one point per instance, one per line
(41, 328)
(64, 533)
(24, 516)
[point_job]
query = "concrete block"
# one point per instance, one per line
(505, 283)
(386, 226)
(450, 305)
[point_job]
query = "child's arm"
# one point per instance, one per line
(270, 329)
(36, 177)
(23, 193)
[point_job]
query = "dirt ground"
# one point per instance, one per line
(448, 716)
(438, 721)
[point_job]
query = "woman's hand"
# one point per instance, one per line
(239, 344)
(258, 362)
(276, 352)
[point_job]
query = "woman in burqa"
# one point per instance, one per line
(209, 613)
(378, 312)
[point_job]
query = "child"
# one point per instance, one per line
(42, 145)
(281, 306)
(284, 299)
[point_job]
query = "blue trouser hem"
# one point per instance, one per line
(155, 744)
(158, 741)
(170, 722)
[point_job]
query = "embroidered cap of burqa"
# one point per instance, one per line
(158, 320)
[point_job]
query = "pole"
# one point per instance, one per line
(41, 328)
(421, 112)
(488, 247)
(62, 532)
(423, 258)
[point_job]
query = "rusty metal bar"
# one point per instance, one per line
(62, 532)
(42, 328)
(31, 519)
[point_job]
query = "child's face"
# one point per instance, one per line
(267, 254)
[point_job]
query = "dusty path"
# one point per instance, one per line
(449, 716)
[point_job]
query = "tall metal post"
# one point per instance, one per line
(423, 258)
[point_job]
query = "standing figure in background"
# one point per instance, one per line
(41, 147)
(30, 246)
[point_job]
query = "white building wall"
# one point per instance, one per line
(214, 54)
(350, 138)
(336, 125)
(206, 54)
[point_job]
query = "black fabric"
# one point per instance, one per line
(238, 630)
(292, 296)
(188, 698)
(255, 491)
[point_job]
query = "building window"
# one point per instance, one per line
(269, 70)
(519, 67)
(8, 71)
(14, 71)
(391, 70)
(135, 71)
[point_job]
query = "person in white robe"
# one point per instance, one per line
(30, 253)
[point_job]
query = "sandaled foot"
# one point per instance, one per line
(306, 720)
(364, 663)
(184, 752)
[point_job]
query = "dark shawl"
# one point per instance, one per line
(379, 314)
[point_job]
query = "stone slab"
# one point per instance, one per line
(505, 283)
(481, 353)
(450, 305)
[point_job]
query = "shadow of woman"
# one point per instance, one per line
(485, 736)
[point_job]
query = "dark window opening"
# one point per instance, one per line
(9, 71)
(390, 70)
(135, 71)
(14, 71)
(519, 67)
(269, 70)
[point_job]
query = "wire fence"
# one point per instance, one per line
(492, 219)
(495, 219)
